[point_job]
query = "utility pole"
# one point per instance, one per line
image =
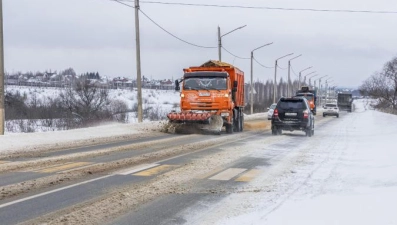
(219, 44)
(300, 75)
(252, 76)
(220, 40)
(138, 62)
(2, 111)
(289, 75)
(275, 77)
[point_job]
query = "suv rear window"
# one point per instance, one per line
(291, 104)
(308, 97)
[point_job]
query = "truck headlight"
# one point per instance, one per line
(182, 95)
(227, 95)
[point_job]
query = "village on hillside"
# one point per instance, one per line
(67, 77)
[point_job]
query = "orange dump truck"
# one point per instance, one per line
(310, 95)
(212, 97)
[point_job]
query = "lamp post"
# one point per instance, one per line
(310, 79)
(275, 76)
(289, 72)
(220, 40)
(300, 74)
(319, 87)
(304, 77)
(252, 76)
(326, 88)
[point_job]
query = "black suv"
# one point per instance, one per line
(293, 114)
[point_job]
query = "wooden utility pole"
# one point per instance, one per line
(2, 111)
(138, 62)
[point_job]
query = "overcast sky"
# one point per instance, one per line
(99, 35)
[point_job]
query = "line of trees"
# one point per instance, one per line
(80, 106)
(382, 86)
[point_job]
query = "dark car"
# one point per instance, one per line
(293, 114)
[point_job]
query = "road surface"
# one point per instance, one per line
(181, 179)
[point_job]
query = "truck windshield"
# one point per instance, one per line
(198, 83)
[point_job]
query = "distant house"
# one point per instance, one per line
(12, 80)
(122, 82)
(166, 84)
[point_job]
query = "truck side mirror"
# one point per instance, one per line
(177, 88)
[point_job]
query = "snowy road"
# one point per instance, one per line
(345, 174)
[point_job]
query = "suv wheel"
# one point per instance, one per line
(309, 132)
(274, 130)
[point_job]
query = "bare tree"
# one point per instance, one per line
(383, 86)
(86, 101)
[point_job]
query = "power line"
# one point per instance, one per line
(233, 54)
(121, 2)
(281, 67)
(270, 8)
(268, 67)
(200, 46)
(293, 71)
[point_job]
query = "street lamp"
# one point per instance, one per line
(252, 84)
(289, 76)
(300, 72)
(326, 89)
(275, 77)
(304, 77)
(310, 79)
(319, 87)
(220, 39)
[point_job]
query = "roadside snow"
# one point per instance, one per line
(30, 141)
(356, 183)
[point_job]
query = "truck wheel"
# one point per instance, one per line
(230, 127)
(242, 121)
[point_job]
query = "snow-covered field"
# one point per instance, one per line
(159, 102)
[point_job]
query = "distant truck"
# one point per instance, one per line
(345, 101)
(212, 97)
(310, 95)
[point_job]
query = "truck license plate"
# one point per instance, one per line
(204, 94)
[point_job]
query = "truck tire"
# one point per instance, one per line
(242, 121)
(230, 127)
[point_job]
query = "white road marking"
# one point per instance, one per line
(53, 191)
(136, 169)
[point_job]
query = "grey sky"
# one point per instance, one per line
(98, 35)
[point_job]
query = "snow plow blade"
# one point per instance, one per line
(187, 123)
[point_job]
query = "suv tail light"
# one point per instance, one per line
(275, 113)
(306, 114)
